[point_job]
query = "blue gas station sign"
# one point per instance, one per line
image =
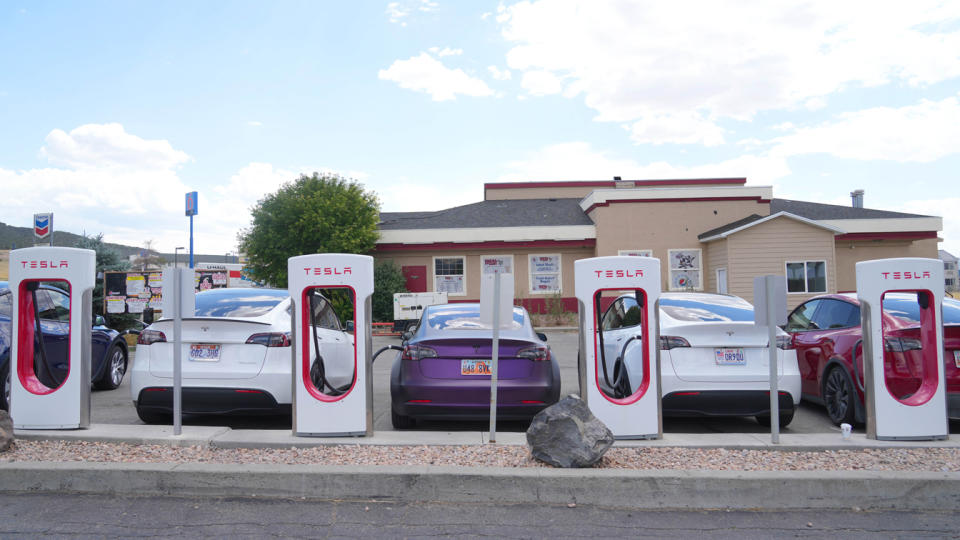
(191, 204)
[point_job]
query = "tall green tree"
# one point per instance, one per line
(108, 260)
(387, 279)
(313, 214)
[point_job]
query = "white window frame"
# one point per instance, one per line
(726, 280)
(433, 273)
(826, 276)
(559, 273)
(671, 269)
(635, 252)
(513, 268)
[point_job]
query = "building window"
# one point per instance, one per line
(686, 270)
(496, 264)
(805, 277)
(448, 275)
(636, 252)
(545, 276)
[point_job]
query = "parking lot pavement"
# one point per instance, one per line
(116, 406)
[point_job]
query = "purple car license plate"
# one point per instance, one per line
(475, 367)
(731, 357)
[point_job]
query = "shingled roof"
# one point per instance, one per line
(494, 213)
(818, 211)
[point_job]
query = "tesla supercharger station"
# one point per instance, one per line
(921, 415)
(636, 416)
(347, 409)
(50, 376)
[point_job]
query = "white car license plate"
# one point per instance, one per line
(956, 358)
(475, 367)
(202, 352)
(731, 357)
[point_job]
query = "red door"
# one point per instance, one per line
(416, 278)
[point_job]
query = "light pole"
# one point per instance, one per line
(176, 251)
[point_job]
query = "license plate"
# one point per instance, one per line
(475, 367)
(200, 352)
(730, 357)
(956, 358)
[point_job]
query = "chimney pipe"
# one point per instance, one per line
(856, 197)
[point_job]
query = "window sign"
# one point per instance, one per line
(448, 275)
(545, 274)
(497, 264)
(685, 269)
(805, 277)
(636, 252)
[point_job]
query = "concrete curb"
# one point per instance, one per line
(612, 488)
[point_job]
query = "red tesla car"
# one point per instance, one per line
(825, 331)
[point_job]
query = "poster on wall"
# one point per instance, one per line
(136, 305)
(115, 304)
(135, 284)
(502, 264)
(540, 264)
(544, 283)
(449, 284)
(685, 269)
(155, 279)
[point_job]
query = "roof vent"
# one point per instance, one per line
(856, 197)
(617, 179)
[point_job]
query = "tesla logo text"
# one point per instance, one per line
(905, 275)
(327, 271)
(619, 273)
(45, 264)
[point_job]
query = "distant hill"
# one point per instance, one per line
(18, 237)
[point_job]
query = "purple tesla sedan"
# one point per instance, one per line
(443, 372)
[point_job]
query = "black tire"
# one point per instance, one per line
(785, 419)
(839, 396)
(153, 417)
(5, 388)
(114, 369)
(400, 421)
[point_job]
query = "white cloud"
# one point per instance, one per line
(425, 73)
(108, 145)
(396, 13)
(499, 75)
(681, 128)
(446, 51)
(541, 83)
(919, 133)
(728, 59)
(427, 6)
(254, 123)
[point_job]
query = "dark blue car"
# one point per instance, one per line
(109, 349)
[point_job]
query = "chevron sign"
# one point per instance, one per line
(42, 225)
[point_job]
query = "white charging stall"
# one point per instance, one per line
(332, 376)
(598, 281)
(922, 414)
(50, 358)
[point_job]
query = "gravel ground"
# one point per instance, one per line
(890, 459)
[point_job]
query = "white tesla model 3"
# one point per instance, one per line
(236, 356)
(714, 361)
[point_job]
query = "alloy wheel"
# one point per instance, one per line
(117, 367)
(837, 396)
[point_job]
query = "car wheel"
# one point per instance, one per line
(785, 419)
(115, 369)
(400, 421)
(152, 417)
(5, 379)
(838, 396)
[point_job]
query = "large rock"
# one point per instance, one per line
(6, 431)
(567, 434)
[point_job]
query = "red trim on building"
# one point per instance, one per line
(902, 235)
(757, 199)
(494, 244)
(612, 183)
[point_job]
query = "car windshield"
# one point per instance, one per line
(238, 302)
(713, 309)
(466, 317)
(907, 308)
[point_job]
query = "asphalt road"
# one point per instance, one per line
(116, 406)
(72, 516)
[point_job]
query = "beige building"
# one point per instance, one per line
(711, 235)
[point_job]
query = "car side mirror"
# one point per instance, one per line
(542, 336)
(349, 327)
(406, 335)
(98, 320)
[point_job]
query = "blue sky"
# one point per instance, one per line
(110, 111)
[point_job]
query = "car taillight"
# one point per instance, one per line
(151, 336)
(672, 342)
(784, 342)
(417, 352)
(537, 353)
(270, 339)
(892, 344)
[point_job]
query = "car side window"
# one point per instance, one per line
(631, 312)
(323, 314)
(6, 304)
(836, 314)
(613, 318)
(53, 305)
(802, 317)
